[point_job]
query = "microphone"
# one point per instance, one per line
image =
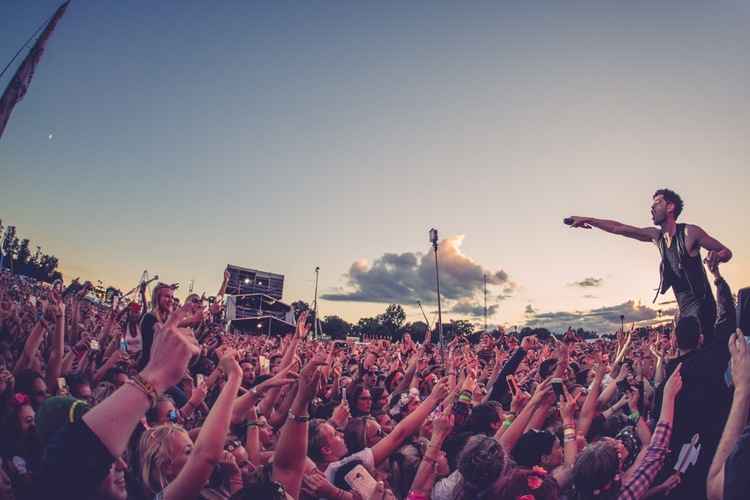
(568, 221)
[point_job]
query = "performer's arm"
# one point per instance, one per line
(716, 251)
(648, 234)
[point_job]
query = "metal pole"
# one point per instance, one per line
(440, 311)
(315, 304)
(485, 303)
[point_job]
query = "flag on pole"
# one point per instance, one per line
(21, 80)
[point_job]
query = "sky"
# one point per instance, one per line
(180, 136)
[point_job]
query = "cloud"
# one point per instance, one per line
(529, 310)
(508, 290)
(471, 309)
(590, 282)
(602, 320)
(408, 277)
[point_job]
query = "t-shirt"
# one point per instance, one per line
(365, 456)
(445, 488)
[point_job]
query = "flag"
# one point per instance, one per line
(21, 80)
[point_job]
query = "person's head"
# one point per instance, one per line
(118, 376)
(688, 333)
(370, 377)
(80, 386)
(403, 465)
(534, 483)
(667, 205)
(248, 373)
(163, 451)
(32, 384)
(481, 463)
(484, 419)
(379, 398)
(325, 444)
(360, 400)
(596, 473)
(163, 412)
(113, 486)
(361, 433)
(234, 446)
(134, 312)
(162, 299)
(538, 448)
(24, 414)
(275, 363)
(393, 380)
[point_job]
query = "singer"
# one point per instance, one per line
(679, 246)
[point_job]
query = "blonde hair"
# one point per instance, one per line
(155, 457)
(155, 300)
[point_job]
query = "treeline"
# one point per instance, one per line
(17, 255)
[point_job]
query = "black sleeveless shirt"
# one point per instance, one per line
(680, 271)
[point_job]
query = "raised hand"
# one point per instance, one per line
(674, 384)
(302, 327)
(740, 361)
(443, 425)
(578, 222)
(170, 353)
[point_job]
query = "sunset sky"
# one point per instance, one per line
(179, 136)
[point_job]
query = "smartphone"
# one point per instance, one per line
(199, 378)
(62, 385)
(361, 481)
(557, 387)
(123, 344)
(172, 415)
(343, 394)
(94, 345)
(743, 310)
(265, 364)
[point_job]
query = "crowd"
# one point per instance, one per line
(158, 400)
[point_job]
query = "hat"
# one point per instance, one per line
(57, 411)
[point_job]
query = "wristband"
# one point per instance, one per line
(301, 419)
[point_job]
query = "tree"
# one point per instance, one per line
(418, 330)
(394, 315)
(336, 327)
(368, 328)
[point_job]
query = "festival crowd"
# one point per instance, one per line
(156, 399)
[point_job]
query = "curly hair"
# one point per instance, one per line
(596, 471)
(480, 463)
(673, 198)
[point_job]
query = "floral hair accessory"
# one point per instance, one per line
(539, 471)
(20, 399)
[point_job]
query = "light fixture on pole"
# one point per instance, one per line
(315, 305)
(434, 241)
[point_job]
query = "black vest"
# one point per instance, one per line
(690, 267)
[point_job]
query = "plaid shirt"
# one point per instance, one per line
(636, 486)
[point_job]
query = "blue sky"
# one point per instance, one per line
(281, 136)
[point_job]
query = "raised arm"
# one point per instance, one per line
(386, 446)
(717, 252)
(648, 234)
(738, 414)
(291, 450)
(209, 447)
(54, 367)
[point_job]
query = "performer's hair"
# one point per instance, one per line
(673, 198)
